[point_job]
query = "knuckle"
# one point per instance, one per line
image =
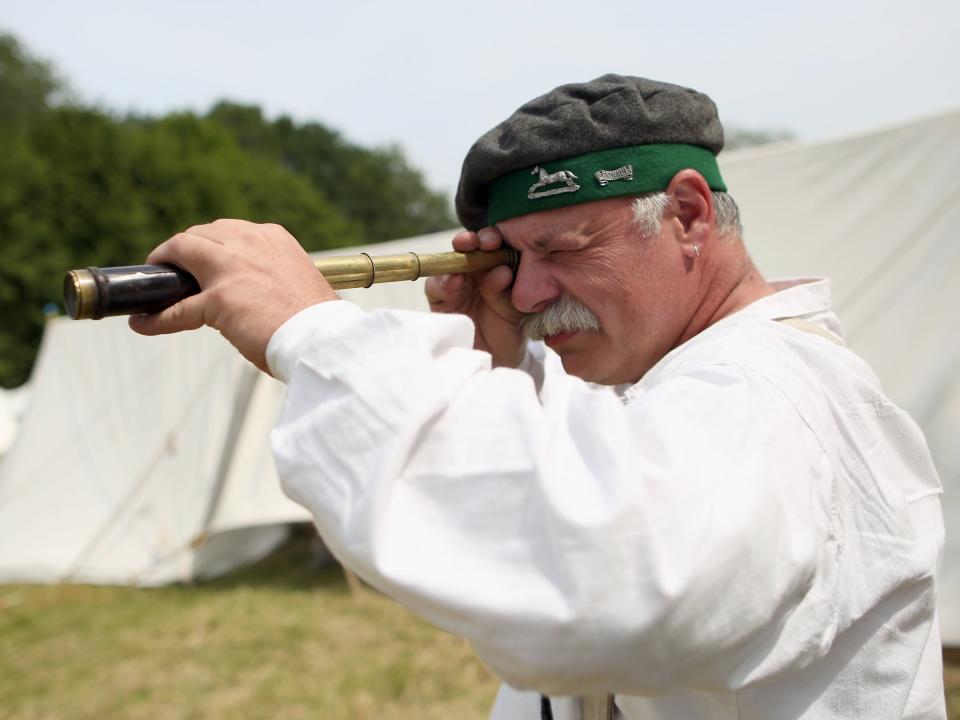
(464, 239)
(282, 232)
(488, 235)
(177, 242)
(215, 296)
(173, 318)
(436, 298)
(179, 316)
(225, 227)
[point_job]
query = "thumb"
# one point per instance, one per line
(184, 315)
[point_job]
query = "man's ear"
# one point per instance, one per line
(692, 203)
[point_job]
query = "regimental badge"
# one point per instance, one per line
(561, 176)
(608, 176)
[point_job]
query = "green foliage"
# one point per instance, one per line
(27, 85)
(736, 138)
(375, 188)
(81, 187)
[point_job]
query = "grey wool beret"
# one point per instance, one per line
(629, 133)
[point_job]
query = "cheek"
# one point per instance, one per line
(605, 268)
(647, 302)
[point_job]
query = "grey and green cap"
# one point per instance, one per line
(613, 136)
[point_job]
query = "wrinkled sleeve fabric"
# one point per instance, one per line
(580, 544)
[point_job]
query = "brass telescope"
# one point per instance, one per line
(94, 293)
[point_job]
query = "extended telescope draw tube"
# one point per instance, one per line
(94, 293)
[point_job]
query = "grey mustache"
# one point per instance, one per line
(565, 315)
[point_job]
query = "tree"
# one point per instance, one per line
(376, 188)
(737, 138)
(27, 85)
(79, 187)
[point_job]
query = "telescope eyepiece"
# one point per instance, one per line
(80, 294)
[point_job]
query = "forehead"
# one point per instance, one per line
(576, 223)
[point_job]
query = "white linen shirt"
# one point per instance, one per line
(750, 531)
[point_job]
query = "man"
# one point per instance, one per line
(729, 520)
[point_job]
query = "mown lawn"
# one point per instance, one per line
(951, 677)
(278, 640)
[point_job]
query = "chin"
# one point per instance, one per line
(594, 372)
(585, 370)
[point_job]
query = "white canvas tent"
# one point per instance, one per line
(879, 215)
(146, 460)
(13, 404)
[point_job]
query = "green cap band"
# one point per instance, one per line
(597, 176)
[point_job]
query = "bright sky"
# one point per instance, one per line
(434, 75)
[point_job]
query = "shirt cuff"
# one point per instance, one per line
(288, 342)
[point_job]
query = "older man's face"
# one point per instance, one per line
(639, 289)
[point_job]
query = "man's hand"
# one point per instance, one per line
(252, 279)
(484, 298)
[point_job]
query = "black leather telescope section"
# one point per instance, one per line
(95, 293)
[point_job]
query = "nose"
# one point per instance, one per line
(534, 287)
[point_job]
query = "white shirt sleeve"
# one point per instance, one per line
(580, 544)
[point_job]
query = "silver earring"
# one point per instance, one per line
(696, 250)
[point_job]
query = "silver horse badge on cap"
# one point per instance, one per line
(564, 176)
(608, 176)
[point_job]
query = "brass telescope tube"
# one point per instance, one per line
(94, 293)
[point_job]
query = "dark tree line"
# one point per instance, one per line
(80, 186)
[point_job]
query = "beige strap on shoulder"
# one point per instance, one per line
(813, 329)
(596, 707)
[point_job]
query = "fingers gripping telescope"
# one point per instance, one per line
(94, 293)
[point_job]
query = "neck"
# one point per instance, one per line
(730, 283)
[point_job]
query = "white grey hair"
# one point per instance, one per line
(648, 212)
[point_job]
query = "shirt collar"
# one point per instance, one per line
(795, 297)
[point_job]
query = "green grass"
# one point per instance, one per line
(277, 640)
(951, 678)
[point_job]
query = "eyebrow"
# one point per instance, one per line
(552, 240)
(543, 241)
(539, 244)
